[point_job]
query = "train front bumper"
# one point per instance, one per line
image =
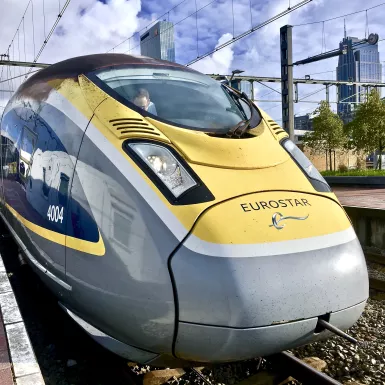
(239, 300)
(205, 343)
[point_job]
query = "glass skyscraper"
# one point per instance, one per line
(361, 64)
(158, 42)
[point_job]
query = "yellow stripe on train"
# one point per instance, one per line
(94, 248)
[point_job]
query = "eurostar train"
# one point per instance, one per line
(174, 220)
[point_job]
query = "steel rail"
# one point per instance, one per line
(302, 372)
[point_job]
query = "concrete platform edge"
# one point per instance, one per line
(22, 359)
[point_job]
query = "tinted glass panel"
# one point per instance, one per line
(181, 97)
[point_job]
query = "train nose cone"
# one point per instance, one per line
(247, 273)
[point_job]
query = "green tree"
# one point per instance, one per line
(327, 135)
(367, 130)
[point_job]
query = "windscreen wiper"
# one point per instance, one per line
(240, 128)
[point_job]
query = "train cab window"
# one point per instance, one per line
(181, 97)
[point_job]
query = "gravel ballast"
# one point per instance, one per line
(376, 270)
(347, 362)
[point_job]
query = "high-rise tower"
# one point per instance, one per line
(158, 42)
(360, 63)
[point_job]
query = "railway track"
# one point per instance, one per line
(376, 261)
(280, 369)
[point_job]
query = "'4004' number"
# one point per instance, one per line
(55, 213)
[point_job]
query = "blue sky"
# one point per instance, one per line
(90, 26)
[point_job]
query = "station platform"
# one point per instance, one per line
(18, 364)
(365, 197)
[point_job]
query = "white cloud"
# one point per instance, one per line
(219, 62)
(104, 25)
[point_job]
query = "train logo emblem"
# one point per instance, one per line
(278, 217)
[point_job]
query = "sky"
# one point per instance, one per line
(97, 26)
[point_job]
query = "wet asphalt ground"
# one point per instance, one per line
(65, 353)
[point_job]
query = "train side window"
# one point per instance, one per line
(10, 159)
(27, 149)
(45, 186)
(63, 189)
(122, 227)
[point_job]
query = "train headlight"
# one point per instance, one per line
(315, 178)
(165, 166)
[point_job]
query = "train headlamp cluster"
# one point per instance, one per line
(164, 164)
(306, 166)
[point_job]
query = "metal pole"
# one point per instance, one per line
(287, 79)
(252, 90)
(23, 64)
(327, 93)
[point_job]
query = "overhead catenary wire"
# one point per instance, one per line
(148, 25)
(323, 72)
(253, 29)
(367, 25)
(196, 25)
(271, 108)
(268, 93)
(18, 76)
(275, 90)
(251, 15)
(312, 93)
(33, 31)
(59, 16)
(21, 20)
(232, 9)
(45, 35)
(25, 52)
(180, 21)
(244, 34)
(338, 17)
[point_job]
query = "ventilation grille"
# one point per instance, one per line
(126, 127)
(275, 127)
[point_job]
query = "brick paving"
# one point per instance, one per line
(361, 196)
(6, 376)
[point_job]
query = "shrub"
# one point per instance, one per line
(342, 168)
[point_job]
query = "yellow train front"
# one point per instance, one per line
(174, 220)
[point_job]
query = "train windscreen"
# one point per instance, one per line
(180, 97)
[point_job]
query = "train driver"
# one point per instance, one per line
(142, 100)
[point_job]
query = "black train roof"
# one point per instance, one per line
(83, 64)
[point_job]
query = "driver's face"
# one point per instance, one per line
(142, 102)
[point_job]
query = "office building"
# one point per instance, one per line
(303, 122)
(359, 63)
(158, 41)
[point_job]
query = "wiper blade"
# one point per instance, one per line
(240, 128)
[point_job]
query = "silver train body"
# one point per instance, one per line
(135, 268)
